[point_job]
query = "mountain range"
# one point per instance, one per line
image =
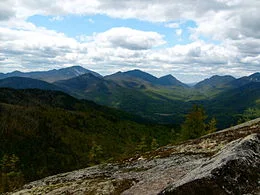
(61, 120)
(164, 99)
(52, 75)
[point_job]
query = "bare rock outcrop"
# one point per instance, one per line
(226, 162)
(233, 170)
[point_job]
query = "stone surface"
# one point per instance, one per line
(226, 162)
(233, 170)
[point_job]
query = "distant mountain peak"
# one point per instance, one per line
(141, 75)
(132, 75)
(255, 74)
(54, 74)
(77, 70)
(255, 77)
(16, 71)
(169, 80)
(77, 66)
(115, 74)
(168, 76)
(215, 81)
(135, 70)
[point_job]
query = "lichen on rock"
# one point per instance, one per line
(233, 170)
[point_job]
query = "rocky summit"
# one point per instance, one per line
(225, 162)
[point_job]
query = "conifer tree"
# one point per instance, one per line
(154, 144)
(194, 125)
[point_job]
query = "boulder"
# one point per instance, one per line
(233, 170)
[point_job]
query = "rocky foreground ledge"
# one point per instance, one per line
(226, 162)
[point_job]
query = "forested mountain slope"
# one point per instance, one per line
(51, 132)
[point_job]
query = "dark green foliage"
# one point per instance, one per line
(194, 125)
(96, 153)
(211, 127)
(249, 114)
(51, 132)
(11, 176)
(142, 145)
(154, 144)
(228, 106)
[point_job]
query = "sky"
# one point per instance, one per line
(190, 39)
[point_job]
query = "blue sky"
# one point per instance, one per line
(192, 40)
(74, 26)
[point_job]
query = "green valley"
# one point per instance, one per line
(163, 100)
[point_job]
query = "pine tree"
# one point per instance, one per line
(142, 146)
(154, 144)
(194, 125)
(212, 126)
(96, 153)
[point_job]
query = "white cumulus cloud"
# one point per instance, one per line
(128, 38)
(234, 24)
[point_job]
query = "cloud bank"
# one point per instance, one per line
(233, 24)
